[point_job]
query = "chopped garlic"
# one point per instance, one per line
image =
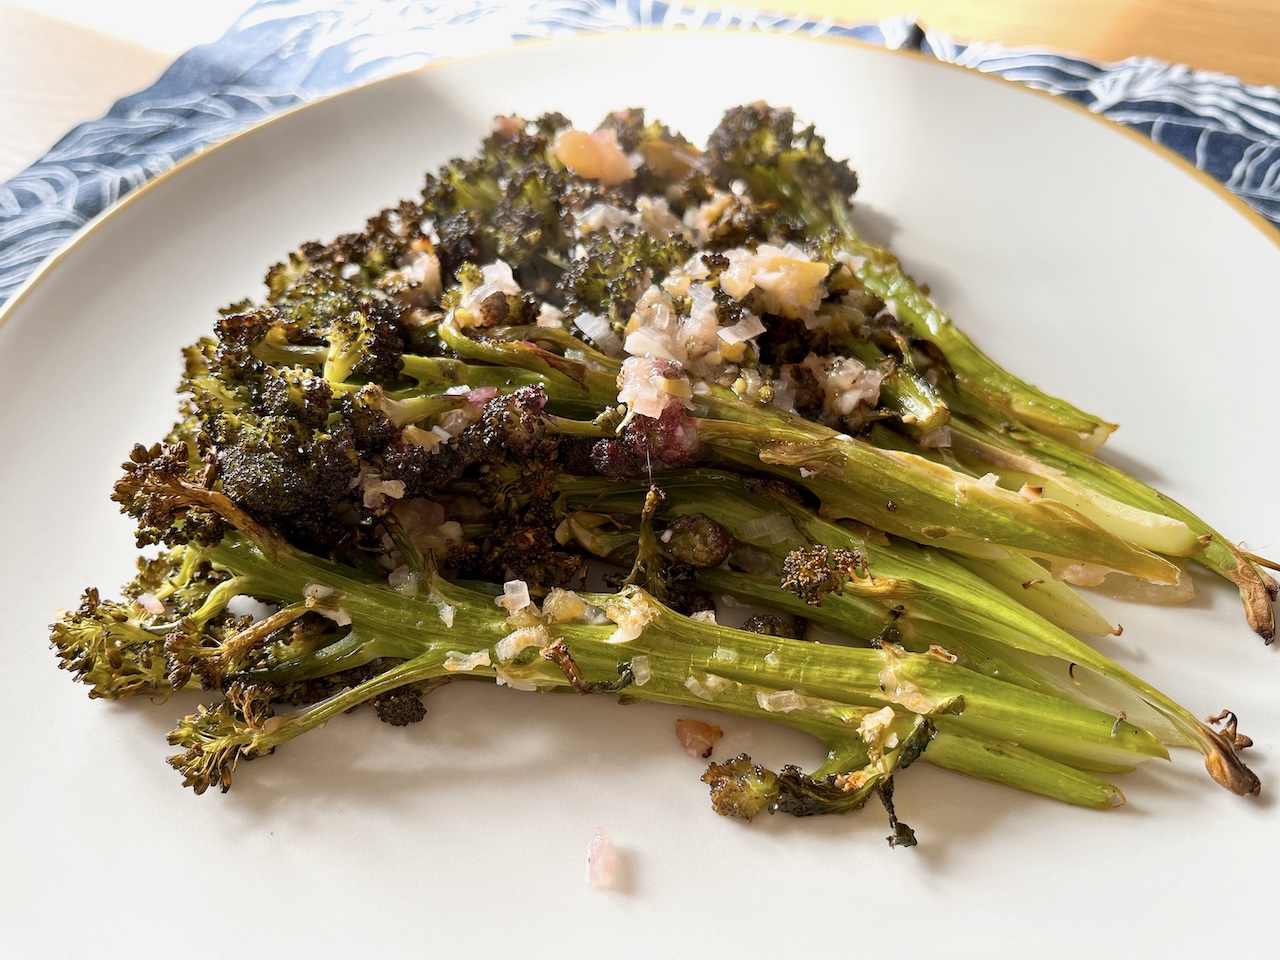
(510, 646)
(874, 729)
(780, 701)
(515, 596)
(905, 693)
(403, 580)
(515, 683)
(423, 269)
(458, 662)
(648, 386)
(377, 491)
(786, 281)
(151, 604)
(631, 619)
(709, 687)
(602, 862)
(595, 156)
(563, 606)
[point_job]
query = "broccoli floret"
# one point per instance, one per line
(812, 574)
(772, 625)
(401, 706)
(108, 646)
(615, 267)
(298, 481)
(171, 502)
(297, 394)
(785, 169)
(504, 203)
(743, 789)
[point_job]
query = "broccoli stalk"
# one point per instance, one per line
(1072, 475)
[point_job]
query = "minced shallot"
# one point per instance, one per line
(648, 386)
(697, 738)
(602, 862)
(595, 155)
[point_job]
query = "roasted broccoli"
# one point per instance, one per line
(605, 413)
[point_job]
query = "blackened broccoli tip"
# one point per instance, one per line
(400, 707)
(170, 500)
(741, 788)
(293, 479)
(772, 625)
(297, 393)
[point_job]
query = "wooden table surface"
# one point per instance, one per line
(1239, 37)
(66, 61)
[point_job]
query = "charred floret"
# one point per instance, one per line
(813, 573)
(784, 168)
(698, 540)
(615, 267)
(670, 440)
(171, 501)
(772, 625)
(298, 481)
(401, 706)
(503, 203)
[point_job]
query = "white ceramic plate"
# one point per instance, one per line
(1078, 255)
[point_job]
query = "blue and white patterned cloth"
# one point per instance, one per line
(283, 52)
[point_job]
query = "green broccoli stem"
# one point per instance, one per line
(924, 583)
(927, 584)
(959, 600)
(1029, 584)
(683, 654)
(913, 497)
(865, 620)
(1007, 763)
(975, 373)
(1004, 446)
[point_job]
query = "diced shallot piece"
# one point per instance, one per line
(697, 738)
(595, 156)
(602, 862)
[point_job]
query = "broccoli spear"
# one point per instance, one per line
(445, 631)
(790, 167)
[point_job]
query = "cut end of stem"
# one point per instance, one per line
(1227, 768)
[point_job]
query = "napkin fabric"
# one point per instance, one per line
(284, 52)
